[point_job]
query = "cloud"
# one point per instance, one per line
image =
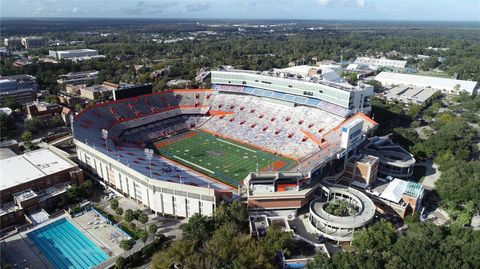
(323, 2)
(195, 7)
(75, 9)
(148, 7)
(342, 3)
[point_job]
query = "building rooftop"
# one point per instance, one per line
(434, 82)
(30, 166)
(409, 94)
(6, 153)
(18, 78)
(381, 62)
(76, 50)
(394, 190)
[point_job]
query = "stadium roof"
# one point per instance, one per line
(30, 166)
(425, 81)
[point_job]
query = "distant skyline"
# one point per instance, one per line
(421, 10)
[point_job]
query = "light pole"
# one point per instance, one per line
(71, 124)
(105, 136)
(149, 156)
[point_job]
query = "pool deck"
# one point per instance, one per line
(102, 234)
(20, 250)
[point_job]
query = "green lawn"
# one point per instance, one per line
(220, 158)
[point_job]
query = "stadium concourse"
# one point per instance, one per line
(111, 139)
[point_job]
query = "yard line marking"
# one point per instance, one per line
(236, 145)
(196, 165)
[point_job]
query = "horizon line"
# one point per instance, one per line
(238, 19)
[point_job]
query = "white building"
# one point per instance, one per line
(68, 54)
(446, 85)
(382, 62)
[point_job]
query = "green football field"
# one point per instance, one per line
(220, 158)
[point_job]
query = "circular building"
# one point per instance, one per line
(339, 212)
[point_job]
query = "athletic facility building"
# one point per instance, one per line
(180, 152)
(445, 85)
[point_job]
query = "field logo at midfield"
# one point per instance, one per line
(213, 153)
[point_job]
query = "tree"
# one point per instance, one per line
(377, 85)
(182, 252)
(351, 77)
(456, 137)
(143, 235)
(129, 216)
(127, 244)
(26, 136)
(222, 244)
(378, 237)
(87, 188)
(198, 228)
(120, 262)
(78, 108)
(152, 229)
(33, 125)
(236, 212)
(460, 182)
(6, 126)
(345, 260)
(143, 219)
(119, 211)
(114, 204)
(11, 103)
(52, 99)
(276, 240)
(137, 213)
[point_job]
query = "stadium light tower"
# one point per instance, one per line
(149, 156)
(105, 136)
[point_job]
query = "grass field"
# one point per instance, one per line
(220, 158)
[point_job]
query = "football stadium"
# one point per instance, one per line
(180, 152)
(221, 158)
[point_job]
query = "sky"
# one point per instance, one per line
(424, 10)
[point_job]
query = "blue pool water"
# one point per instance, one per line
(66, 247)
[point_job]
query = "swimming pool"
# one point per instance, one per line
(66, 247)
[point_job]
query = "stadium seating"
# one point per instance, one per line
(284, 137)
(252, 119)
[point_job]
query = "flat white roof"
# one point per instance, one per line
(299, 69)
(77, 50)
(30, 166)
(381, 62)
(425, 81)
(394, 190)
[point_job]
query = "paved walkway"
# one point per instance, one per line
(432, 174)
